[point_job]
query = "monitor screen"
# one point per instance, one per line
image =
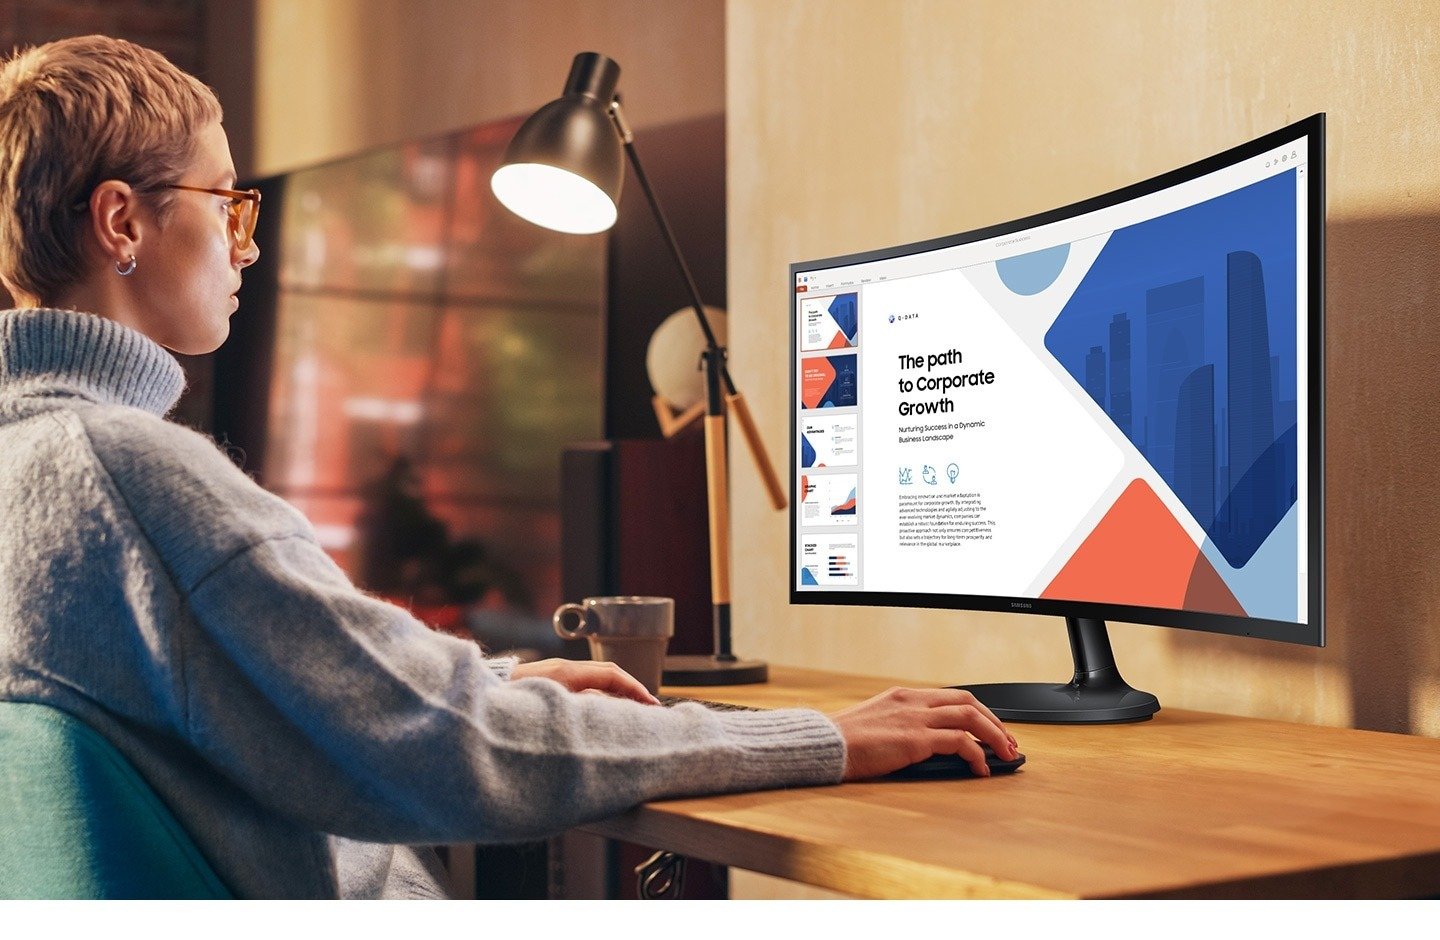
(1110, 410)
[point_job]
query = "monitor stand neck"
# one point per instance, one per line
(1097, 694)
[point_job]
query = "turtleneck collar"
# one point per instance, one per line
(96, 358)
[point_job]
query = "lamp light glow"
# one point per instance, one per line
(554, 198)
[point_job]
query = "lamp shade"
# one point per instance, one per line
(564, 167)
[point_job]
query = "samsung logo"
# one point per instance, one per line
(1021, 604)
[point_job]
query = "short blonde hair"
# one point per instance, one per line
(74, 113)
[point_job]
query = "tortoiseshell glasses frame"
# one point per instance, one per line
(244, 208)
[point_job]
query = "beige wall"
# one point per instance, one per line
(859, 124)
(331, 77)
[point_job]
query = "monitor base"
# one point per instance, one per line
(1064, 704)
(1096, 695)
(712, 670)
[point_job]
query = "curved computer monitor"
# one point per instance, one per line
(1109, 411)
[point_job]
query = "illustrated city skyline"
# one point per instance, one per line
(1184, 331)
(1233, 466)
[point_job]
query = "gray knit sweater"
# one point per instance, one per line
(150, 588)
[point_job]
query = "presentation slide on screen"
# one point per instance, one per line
(829, 560)
(828, 440)
(829, 322)
(828, 500)
(829, 381)
(1107, 409)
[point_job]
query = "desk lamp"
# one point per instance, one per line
(563, 171)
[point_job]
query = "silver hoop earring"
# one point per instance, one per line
(127, 270)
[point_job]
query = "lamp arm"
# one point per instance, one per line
(757, 451)
(732, 395)
(628, 138)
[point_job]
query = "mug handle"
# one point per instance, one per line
(585, 625)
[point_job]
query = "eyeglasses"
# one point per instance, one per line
(244, 209)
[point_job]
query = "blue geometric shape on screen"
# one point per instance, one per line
(807, 452)
(1150, 331)
(1256, 503)
(844, 387)
(807, 577)
(846, 314)
(1266, 586)
(1031, 273)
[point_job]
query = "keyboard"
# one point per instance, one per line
(668, 700)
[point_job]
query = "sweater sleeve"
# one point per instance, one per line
(343, 710)
(345, 713)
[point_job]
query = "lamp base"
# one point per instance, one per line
(708, 670)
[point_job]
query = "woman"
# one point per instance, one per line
(299, 729)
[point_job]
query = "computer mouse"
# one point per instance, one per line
(955, 767)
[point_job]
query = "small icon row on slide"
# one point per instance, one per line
(928, 474)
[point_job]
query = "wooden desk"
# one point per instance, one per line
(1188, 804)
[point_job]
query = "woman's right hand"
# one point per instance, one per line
(900, 727)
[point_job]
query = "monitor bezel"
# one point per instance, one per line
(1311, 633)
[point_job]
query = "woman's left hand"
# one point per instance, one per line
(586, 676)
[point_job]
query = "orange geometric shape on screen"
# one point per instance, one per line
(1140, 556)
(816, 377)
(1208, 591)
(839, 342)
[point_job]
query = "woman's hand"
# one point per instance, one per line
(902, 726)
(585, 676)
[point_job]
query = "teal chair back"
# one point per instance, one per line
(77, 821)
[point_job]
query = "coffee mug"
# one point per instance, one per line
(631, 632)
